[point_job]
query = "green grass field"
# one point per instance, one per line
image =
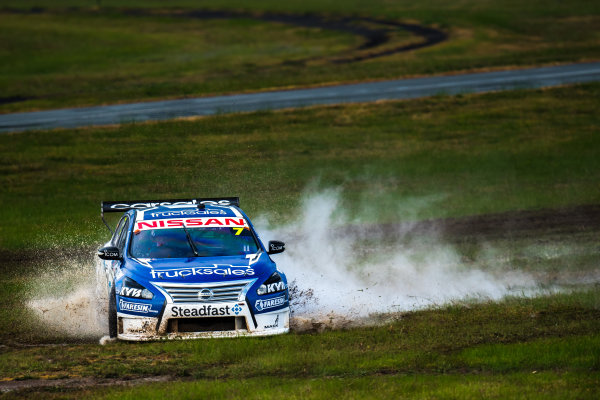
(73, 53)
(465, 155)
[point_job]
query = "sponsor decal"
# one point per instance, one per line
(127, 206)
(275, 287)
(191, 223)
(130, 292)
(214, 269)
(186, 213)
(146, 328)
(205, 311)
(236, 309)
(253, 258)
(275, 324)
(136, 307)
(275, 247)
(269, 303)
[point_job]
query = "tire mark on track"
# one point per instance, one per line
(77, 383)
(374, 37)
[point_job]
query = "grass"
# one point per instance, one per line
(450, 156)
(392, 161)
(73, 53)
(546, 344)
(434, 386)
(86, 58)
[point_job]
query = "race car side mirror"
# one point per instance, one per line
(275, 246)
(109, 253)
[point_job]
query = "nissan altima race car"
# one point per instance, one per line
(190, 269)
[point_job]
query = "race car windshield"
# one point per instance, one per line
(209, 242)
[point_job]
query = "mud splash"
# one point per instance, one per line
(75, 314)
(68, 301)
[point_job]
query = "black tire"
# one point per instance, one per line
(112, 313)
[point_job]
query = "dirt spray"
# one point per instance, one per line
(342, 274)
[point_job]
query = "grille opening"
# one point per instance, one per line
(221, 291)
(210, 324)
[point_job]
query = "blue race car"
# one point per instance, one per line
(190, 269)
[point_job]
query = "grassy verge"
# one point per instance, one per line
(549, 385)
(547, 345)
(64, 56)
(452, 156)
(70, 58)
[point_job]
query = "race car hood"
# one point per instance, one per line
(202, 269)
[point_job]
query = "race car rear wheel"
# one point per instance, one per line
(112, 313)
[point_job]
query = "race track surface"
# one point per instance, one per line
(354, 93)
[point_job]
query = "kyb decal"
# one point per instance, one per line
(205, 311)
(130, 292)
(269, 303)
(135, 307)
(275, 287)
(214, 269)
(190, 223)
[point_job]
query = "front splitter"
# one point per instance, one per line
(137, 328)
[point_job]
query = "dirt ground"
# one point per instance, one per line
(512, 224)
(77, 383)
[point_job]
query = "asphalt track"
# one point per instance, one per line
(273, 100)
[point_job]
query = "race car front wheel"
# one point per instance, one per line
(112, 313)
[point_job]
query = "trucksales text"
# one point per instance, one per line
(206, 270)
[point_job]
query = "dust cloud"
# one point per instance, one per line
(342, 273)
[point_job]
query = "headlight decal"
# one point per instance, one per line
(131, 288)
(272, 285)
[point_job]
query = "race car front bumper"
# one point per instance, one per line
(201, 320)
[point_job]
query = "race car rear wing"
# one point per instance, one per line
(123, 206)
